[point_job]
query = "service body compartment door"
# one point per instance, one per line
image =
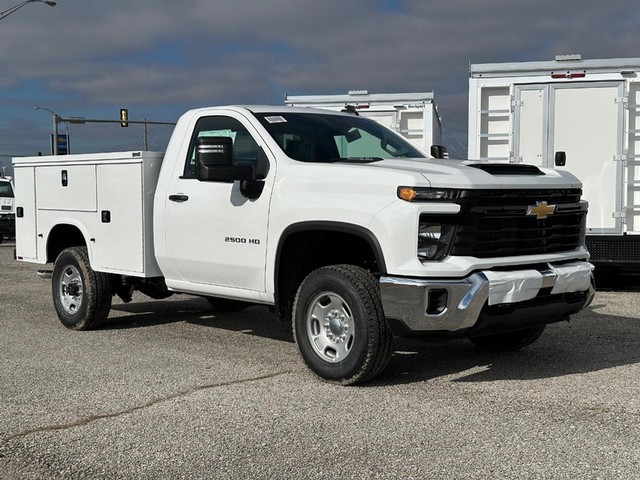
(119, 239)
(67, 187)
(585, 120)
(26, 244)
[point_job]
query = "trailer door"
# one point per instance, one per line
(531, 124)
(585, 120)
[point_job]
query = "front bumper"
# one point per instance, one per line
(486, 301)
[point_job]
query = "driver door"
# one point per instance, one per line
(215, 236)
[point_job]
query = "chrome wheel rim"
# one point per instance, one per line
(71, 291)
(330, 327)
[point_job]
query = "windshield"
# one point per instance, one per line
(314, 137)
(6, 190)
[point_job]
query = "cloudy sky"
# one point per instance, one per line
(160, 57)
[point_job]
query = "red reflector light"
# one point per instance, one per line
(19, 258)
(362, 106)
(568, 75)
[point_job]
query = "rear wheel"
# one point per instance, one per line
(509, 340)
(81, 296)
(339, 324)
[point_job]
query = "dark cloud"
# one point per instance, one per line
(154, 53)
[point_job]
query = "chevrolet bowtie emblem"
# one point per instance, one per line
(541, 210)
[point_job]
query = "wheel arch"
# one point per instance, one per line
(302, 248)
(65, 235)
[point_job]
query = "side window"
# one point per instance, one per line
(245, 148)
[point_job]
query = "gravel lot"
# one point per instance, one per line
(175, 390)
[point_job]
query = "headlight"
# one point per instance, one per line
(425, 194)
(434, 240)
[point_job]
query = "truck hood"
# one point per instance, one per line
(477, 174)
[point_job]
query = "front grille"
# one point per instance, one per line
(6, 207)
(495, 223)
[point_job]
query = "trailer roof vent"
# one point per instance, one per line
(358, 92)
(568, 58)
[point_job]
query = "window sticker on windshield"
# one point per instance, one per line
(276, 119)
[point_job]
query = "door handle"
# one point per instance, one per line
(178, 198)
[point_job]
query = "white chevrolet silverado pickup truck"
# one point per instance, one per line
(337, 223)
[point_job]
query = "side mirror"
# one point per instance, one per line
(439, 151)
(214, 161)
(560, 159)
(252, 189)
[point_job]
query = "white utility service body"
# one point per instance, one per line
(334, 220)
(107, 197)
(526, 112)
(413, 115)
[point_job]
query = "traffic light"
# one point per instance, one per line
(124, 117)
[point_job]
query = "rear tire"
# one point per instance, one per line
(339, 325)
(81, 296)
(509, 341)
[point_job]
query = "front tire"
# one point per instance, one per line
(509, 341)
(81, 296)
(339, 325)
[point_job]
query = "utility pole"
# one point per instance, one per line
(146, 137)
(56, 121)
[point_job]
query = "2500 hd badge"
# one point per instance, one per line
(250, 241)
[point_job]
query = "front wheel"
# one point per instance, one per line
(502, 342)
(81, 296)
(339, 324)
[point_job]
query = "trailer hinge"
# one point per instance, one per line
(621, 215)
(620, 158)
(624, 100)
(516, 103)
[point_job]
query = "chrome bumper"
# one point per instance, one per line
(453, 305)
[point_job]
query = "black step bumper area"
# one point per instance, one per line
(614, 250)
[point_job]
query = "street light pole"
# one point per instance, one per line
(10, 10)
(56, 122)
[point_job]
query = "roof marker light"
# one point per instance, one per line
(568, 75)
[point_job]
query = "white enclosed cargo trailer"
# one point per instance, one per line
(528, 111)
(412, 115)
